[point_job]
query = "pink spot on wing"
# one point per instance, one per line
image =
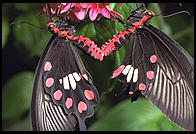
(150, 74)
(82, 106)
(57, 95)
(118, 71)
(69, 102)
(89, 94)
(131, 92)
(49, 82)
(47, 66)
(142, 86)
(80, 75)
(85, 76)
(153, 59)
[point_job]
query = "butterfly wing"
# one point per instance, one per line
(66, 89)
(173, 91)
(162, 71)
(42, 106)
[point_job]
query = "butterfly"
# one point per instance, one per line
(157, 67)
(63, 91)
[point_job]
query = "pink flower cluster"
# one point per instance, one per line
(80, 10)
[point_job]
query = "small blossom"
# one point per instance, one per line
(80, 10)
(80, 13)
(66, 6)
(97, 8)
(49, 9)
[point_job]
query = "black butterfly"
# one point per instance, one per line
(159, 68)
(63, 91)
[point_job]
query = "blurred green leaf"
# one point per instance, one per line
(98, 31)
(21, 125)
(16, 95)
(30, 39)
(138, 116)
(5, 31)
(29, 7)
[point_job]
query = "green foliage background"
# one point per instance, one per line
(113, 112)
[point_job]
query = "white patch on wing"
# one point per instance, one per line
(126, 70)
(72, 81)
(60, 80)
(76, 76)
(129, 76)
(65, 83)
(135, 75)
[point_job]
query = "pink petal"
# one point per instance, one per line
(93, 5)
(77, 4)
(53, 7)
(66, 7)
(84, 5)
(44, 10)
(93, 13)
(80, 15)
(105, 13)
(52, 11)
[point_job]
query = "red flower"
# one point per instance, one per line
(102, 8)
(97, 8)
(50, 9)
(80, 10)
(66, 6)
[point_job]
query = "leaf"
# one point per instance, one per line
(29, 39)
(98, 31)
(28, 7)
(5, 31)
(16, 95)
(138, 116)
(21, 125)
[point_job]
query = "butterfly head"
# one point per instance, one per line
(50, 25)
(149, 13)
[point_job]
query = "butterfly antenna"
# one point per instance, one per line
(23, 22)
(177, 13)
(174, 14)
